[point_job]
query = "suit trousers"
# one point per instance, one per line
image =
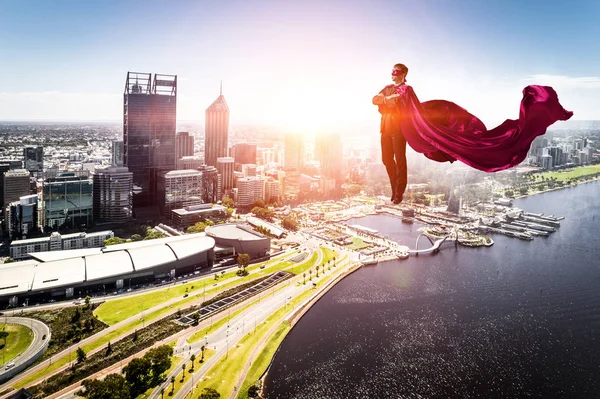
(393, 154)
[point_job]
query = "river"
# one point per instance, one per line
(518, 319)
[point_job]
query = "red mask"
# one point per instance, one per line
(397, 72)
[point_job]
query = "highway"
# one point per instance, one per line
(41, 335)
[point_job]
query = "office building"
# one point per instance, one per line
(179, 189)
(243, 153)
(34, 158)
(193, 162)
(225, 169)
(117, 153)
(249, 170)
(16, 185)
(56, 242)
(149, 123)
(67, 200)
(294, 152)
(272, 191)
(211, 184)
(22, 218)
(328, 151)
(190, 215)
(249, 189)
(216, 131)
(113, 196)
(184, 145)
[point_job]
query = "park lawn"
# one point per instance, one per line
(357, 244)
(115, 311)
(19, 338)
(224, 375)
(304, 266)
(208, 353)
(263, 359)
(328, 254)
(573, 173)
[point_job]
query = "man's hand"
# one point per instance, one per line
(391, 99)
(379, 99)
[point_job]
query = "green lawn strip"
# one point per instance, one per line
(570, 174)
(263, 359)
(208, 353)
(224, 375)
(304, 266)
(54, 366)
(328, 254)
(114, 311)
(19, 338)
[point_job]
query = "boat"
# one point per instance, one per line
(370, 262)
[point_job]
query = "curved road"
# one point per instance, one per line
(41, 335)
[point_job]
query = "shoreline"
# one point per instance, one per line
(555, 188)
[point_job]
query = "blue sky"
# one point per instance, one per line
(296, 63)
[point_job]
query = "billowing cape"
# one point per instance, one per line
(444, 131)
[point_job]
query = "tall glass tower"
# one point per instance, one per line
(149, 124)
(216, 130)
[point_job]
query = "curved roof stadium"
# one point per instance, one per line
(241, 237)
(55, 269)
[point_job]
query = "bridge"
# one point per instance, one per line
(435, 245)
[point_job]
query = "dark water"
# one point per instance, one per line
(519, 319)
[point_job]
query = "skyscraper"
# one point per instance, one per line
(67, 200)
(211, 184)
(243, 153)
(149, 123)
(216, 130)
(179, 189)
(117, 153)
(112, 195)
(184, 145)
(328, 151)
(225, 169)
(16, 185)
(34, 158)
(294, 152)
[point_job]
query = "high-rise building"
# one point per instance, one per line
(149, 123)
(184, 145)
(193, 162)
(272, 190)
(294, 152)
(179, 189)
(34, 158)
(243, 153)
(117, 153)
(249, 189)
(22, 217)
(67, 200)
(16, 185)
(328, 151)
(216, 131)
(225, 169)
(211, 184)
(112, 195)
(249, 170)
(4, 167)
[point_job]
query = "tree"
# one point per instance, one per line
(113, 386)
(259, 203)
(197, 228)
(136, 237)
(183, 370)
(88, 300)
(172, 383)
(108, 349)
(192, 359)
(162, 392)
(3, 336)
(253, 391)
(202, 348)
(210, 393)
(290, 223)
(160, 361)
(353, 190)
(317, 270)
(9, 260)
(113, 241)
(137, 374)
(80, 355)
(304, 278)
(227, 202)
(229, 212)
(152, 235)
(243, 261)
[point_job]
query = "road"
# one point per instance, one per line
(41, 335)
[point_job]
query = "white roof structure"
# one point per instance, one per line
(277, 231)
(233, 231)
(106, 265)
(59, 273)
(16, 277)
(72, 267)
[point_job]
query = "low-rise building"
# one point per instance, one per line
(21, 249)
(189, 216)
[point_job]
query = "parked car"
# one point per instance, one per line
(9, 366)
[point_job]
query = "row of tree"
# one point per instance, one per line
(141, 374)
(150, 234)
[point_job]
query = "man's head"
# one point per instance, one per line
(399, 73)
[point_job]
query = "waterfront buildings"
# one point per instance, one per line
(149, 123)
(225, 169)
(179, 189)
(67, 200)
(21, 249)
(184, 145)
(216, 131)
(112, 195)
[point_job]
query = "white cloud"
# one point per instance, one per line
(565, 82)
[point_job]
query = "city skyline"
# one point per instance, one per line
(301, 66)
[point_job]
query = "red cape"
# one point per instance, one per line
(444, 131)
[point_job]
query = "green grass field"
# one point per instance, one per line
(19, 338)
(115, 311)
(572, 173)
(357, 244)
